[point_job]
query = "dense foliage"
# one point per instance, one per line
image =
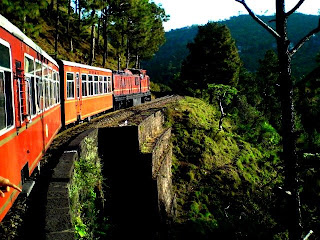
(112, 33)
(256, 117)
(213, 58)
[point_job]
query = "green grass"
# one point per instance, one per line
(215, 169)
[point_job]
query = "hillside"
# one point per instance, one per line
(251, 39)
(225, 186)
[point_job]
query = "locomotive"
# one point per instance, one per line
(40, 95)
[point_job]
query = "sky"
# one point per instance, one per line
(188, 12)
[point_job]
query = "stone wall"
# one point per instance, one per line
(150, 127)
(140, 183)
(58, 218)
(151, 131)
(161, 172)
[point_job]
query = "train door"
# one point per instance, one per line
(78, 97)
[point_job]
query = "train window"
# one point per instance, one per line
(3, 117)
(38, 69)
(105, 84)
(6, 108)
(57, 83)
(45, 72)
(39, 87)
(100, 84)
(29, 73)
(29, 65)
(96, 85)
(109, 84)
(49, 73)
(90, 84)
(32, 96)
(56, 87)
(84, 85)
(46, 87)
(78, 85)
(52, 93)
(5, 56)
(123, 81)
(137, 81)
(70, 85)
(46, 92)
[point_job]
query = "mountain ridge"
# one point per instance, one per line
(251, 39)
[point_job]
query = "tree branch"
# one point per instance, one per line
(304, 40)
(295, 8)
(258, 20)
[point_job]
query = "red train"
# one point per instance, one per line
(39, 95)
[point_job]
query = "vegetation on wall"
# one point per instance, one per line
(86, 196)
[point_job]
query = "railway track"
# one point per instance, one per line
(26, 218)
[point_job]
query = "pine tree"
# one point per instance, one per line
(268, 88)
(213, 59)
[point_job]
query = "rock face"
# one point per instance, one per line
(139, 175)
(137, 163)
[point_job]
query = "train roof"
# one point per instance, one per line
(73, 64)
(5, 24)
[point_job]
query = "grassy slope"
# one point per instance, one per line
(223, 184)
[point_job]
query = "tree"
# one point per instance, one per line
(137, 30)
(24, 14)
(213, 58)
(223, 95)
(268, 88)
(289, 155)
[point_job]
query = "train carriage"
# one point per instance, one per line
(30, 114)
(131, 87)
(87, 91)
(38, 96)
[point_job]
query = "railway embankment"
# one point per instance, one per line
(136, 157)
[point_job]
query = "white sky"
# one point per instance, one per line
(188, 12)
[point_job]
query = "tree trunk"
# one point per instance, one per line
(57, 32)
(79, 19)
(68, 19)
(137, 61)
(105, 37)
(222, 114)
(92, 45)
(24, 18)
(68, 26)
(128, 54)
(98, 37)
(119, 62)
(51, 6)
(288, 129)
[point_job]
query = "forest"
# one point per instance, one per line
(251, 40)
(246, 143)
(105, 33)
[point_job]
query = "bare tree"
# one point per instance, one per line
(289, 156)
